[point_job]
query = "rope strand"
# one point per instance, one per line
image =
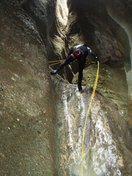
(86, 119)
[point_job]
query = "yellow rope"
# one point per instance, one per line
(54, 61)
(71, 70)
(86, 119)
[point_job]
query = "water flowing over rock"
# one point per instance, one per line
(41, 116)
(104, 146)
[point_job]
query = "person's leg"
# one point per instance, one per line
(66, 62)
(81, 63)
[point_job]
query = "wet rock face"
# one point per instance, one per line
(42, 11)
(26, 109)
(99, 29)
(106, 129)
(121, 12)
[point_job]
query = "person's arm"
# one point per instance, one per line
(70, 52)
(92, 54)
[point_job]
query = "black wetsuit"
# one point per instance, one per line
(79, 52)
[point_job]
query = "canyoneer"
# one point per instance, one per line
(79, 53)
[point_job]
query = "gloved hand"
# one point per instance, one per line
(53, 72)
(97, 59)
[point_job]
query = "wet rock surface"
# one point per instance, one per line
(26, 109)
(107, 139)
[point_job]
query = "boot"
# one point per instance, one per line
(79, 88)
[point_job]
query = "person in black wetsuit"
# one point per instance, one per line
(79, 52)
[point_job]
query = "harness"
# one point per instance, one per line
(78, 51)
